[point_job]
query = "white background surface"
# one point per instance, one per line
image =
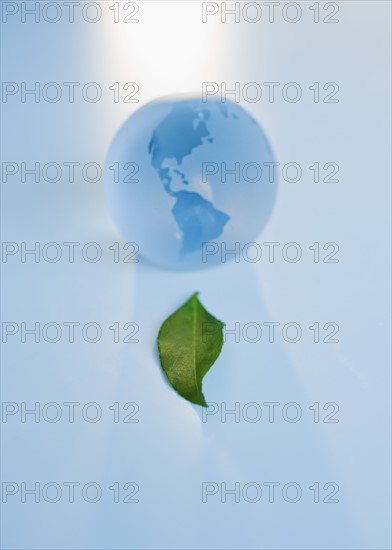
(170, 452)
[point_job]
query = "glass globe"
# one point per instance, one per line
(189, 181)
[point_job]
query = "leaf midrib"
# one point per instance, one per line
(194, 303)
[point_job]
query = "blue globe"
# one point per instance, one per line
(189, 181)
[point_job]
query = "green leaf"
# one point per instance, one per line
(189, 343)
